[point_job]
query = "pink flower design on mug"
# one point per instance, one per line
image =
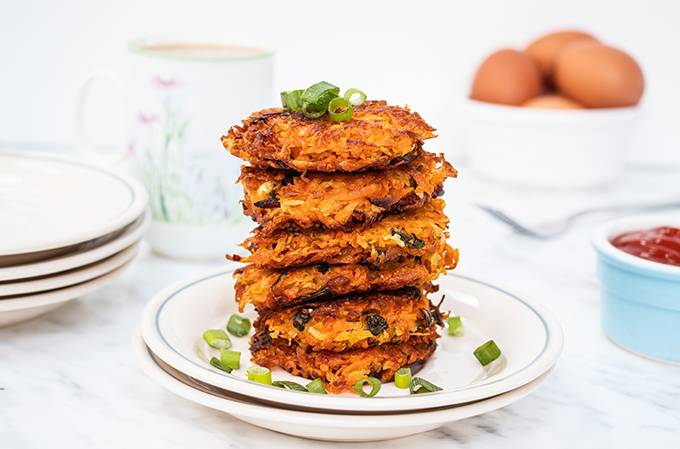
(163, 83)
(146, 119)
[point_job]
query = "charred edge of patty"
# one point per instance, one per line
(253, 285)
(391, 163)
(285, 250)
(309, 364)
(411, 293)
(411, 201)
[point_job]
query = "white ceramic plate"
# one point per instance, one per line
(26, 307)
(71, 277)
(529, 336)
(321, 426)
(51, 202)
(79, 258)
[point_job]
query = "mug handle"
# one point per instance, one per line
(83, 141)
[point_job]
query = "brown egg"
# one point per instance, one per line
(506, 77)
(599, 76)
(545, 49)
(552, 101)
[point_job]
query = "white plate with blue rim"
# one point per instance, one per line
(529, 337)
(309, 424)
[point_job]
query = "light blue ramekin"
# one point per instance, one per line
(640, 298)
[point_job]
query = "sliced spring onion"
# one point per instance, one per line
(259, 374)
(320, 94)
(232, 359)
(288, 385)
(355, 96)
(291, 100)
(315, 99)
(316, 386)
(310, 110)
(419, 385)
(217, 338)
(455, 326)
(402, 378)
(238, 325)
(340, 110)
(218, 364)
(374, 384)
(487, 353)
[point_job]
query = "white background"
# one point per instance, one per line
(421, 52)
(69, 380)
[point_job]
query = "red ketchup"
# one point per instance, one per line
(660, 244)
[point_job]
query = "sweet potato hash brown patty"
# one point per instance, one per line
(378, 136)
(278, 199)
(417, 232)
(341, 370)
(268, 289)
(359, 321)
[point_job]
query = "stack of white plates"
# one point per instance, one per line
(66, 229)
(172, 353)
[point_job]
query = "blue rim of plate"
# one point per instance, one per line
(466, 278)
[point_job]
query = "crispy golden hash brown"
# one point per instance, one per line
(359, 321)
(280, 199)
(378, 136)
(341, 370)
(269, 289)
(417, 232)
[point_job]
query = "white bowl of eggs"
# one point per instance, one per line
(559, 114)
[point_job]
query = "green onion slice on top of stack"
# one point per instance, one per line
(321, 98)
(355, 96)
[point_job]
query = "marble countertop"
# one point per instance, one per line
(69, 379)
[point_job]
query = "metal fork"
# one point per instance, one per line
(556, 228)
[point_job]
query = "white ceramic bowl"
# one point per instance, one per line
(546, 147)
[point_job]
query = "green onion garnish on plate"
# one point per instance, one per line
(402, 378)
(217, 338)
(419, 385)
(487, 353)
(316, 386)
(218, 364)
(231, 359)
(238, 326)
(288, 385)
(259, 374)
(372, 382)
(455, 326)
(339, 110)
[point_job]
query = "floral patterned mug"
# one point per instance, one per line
(179, 99)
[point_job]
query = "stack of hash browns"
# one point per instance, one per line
(351, 237)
